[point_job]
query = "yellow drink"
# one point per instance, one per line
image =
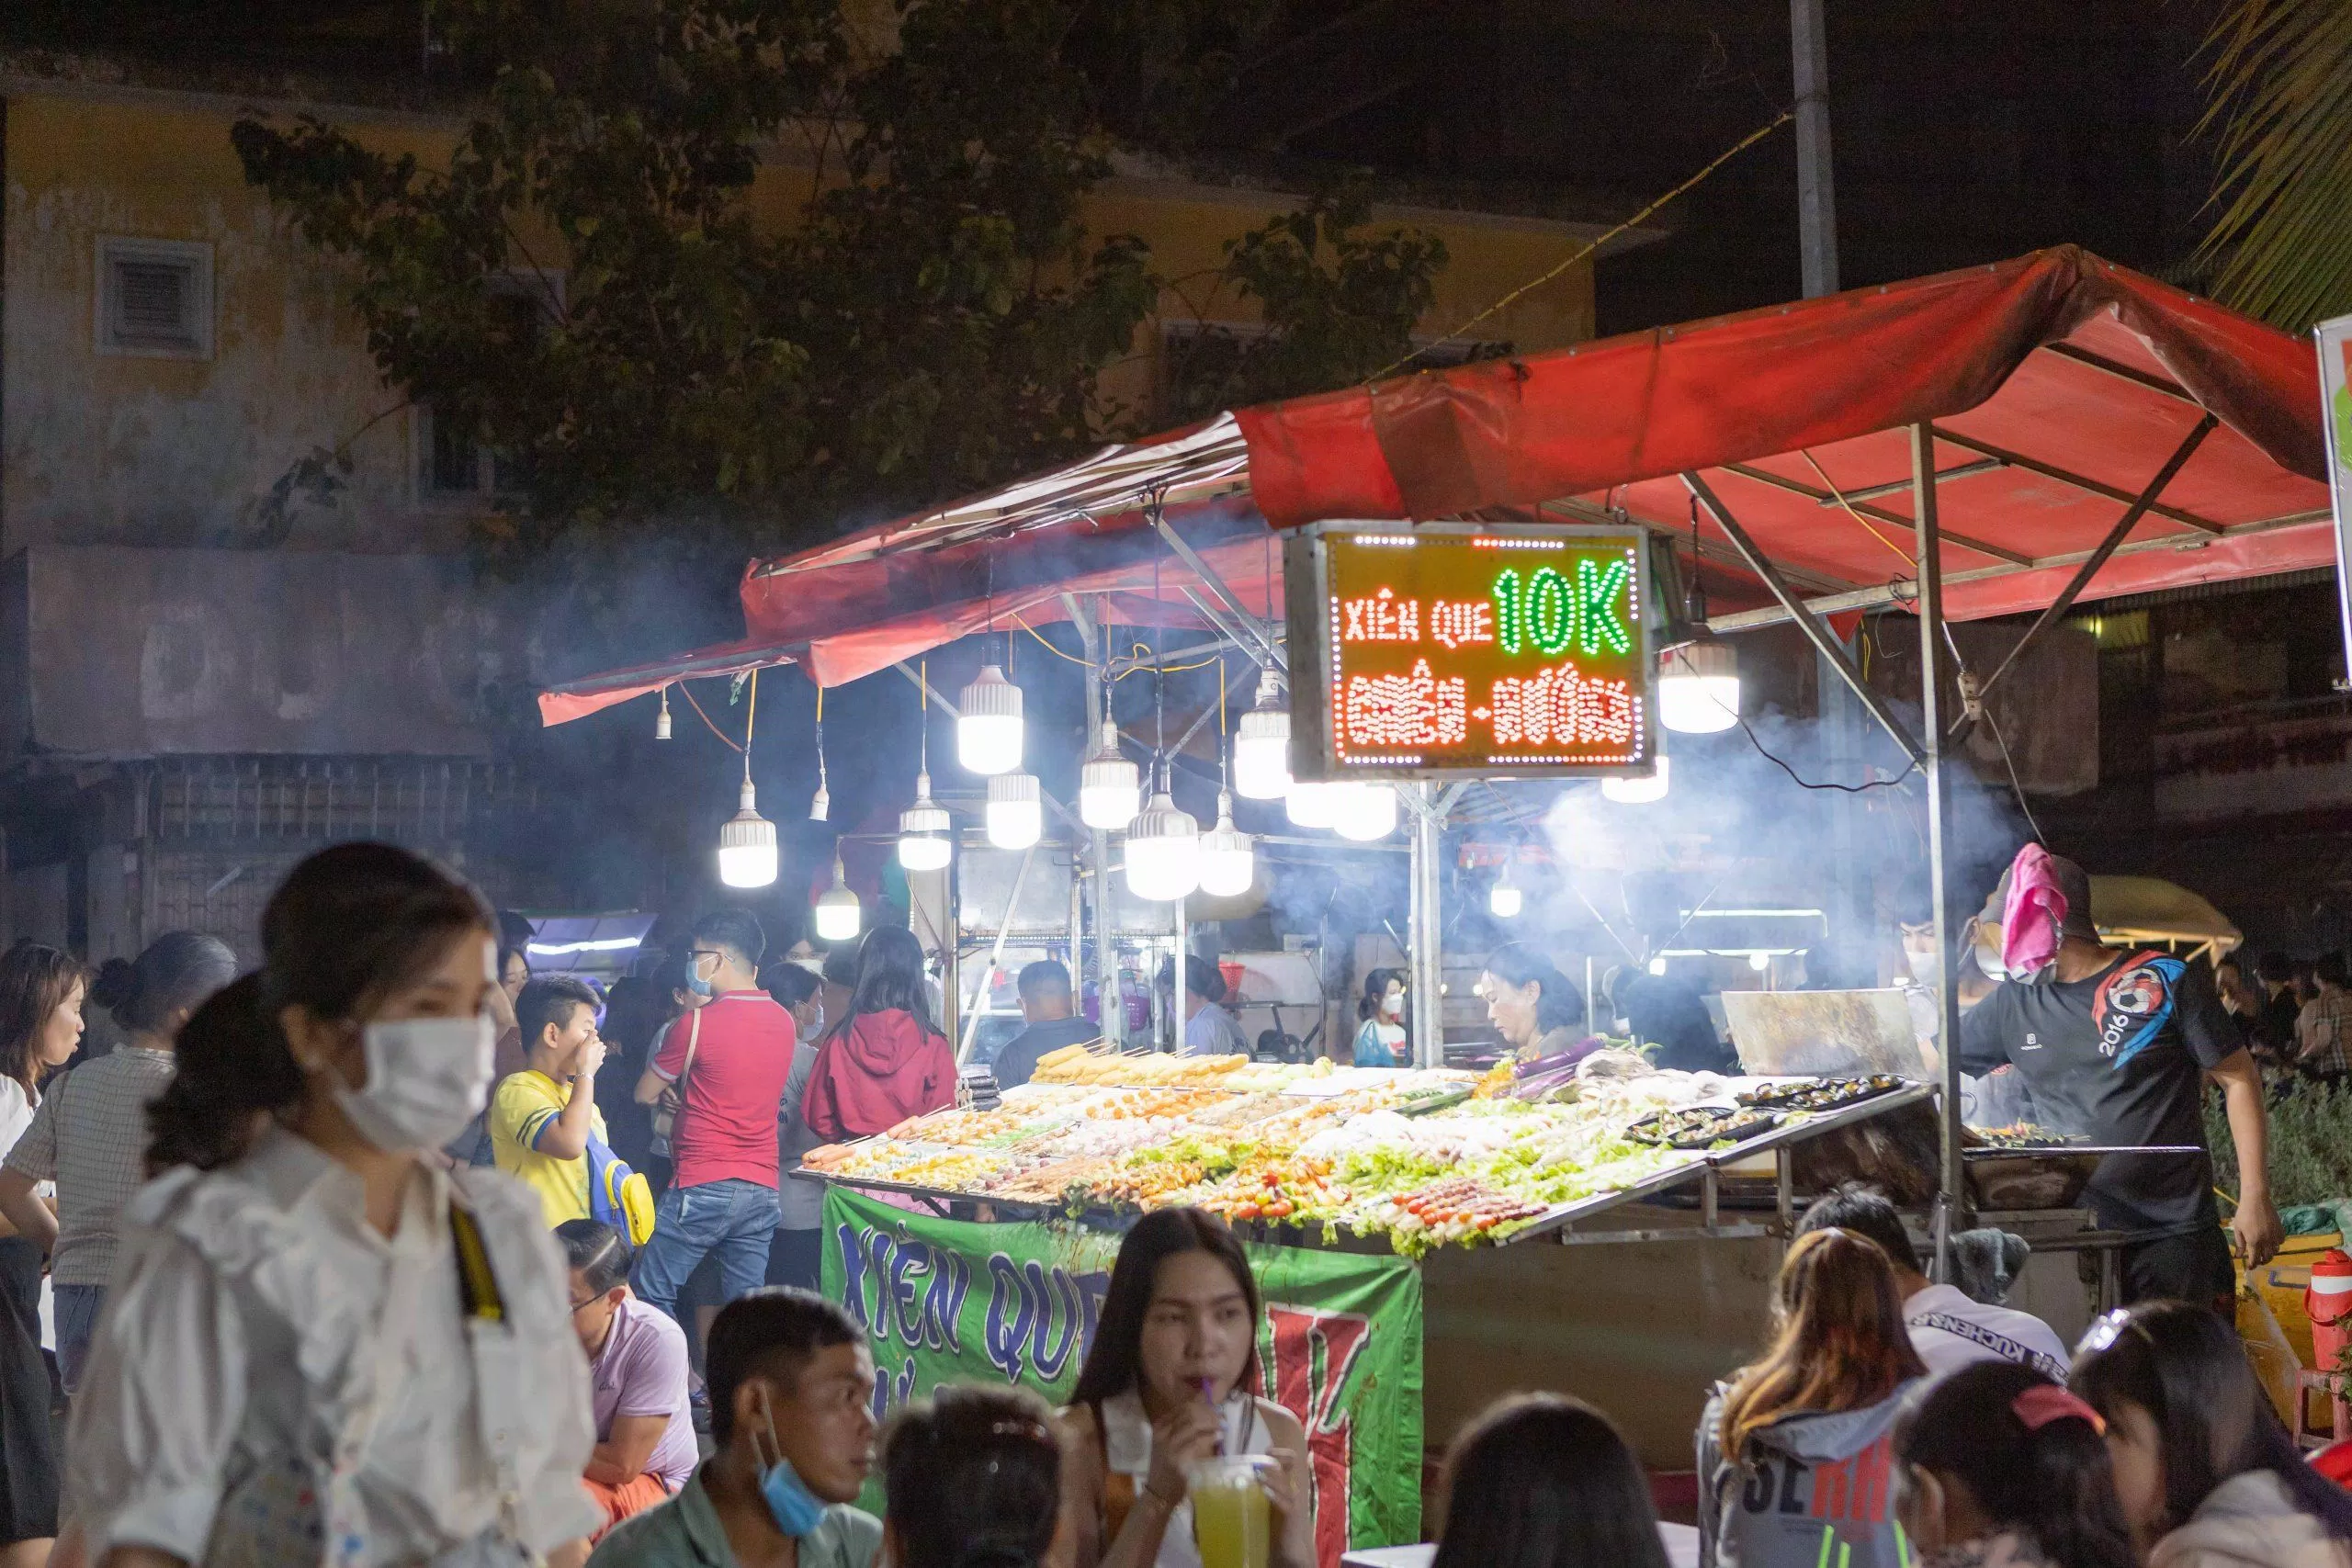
(1232, 1516)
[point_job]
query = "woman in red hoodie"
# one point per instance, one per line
(883, 1060)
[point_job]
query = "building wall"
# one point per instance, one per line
(104, 449)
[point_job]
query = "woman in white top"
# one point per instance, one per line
(1168, 1383)
(40, 1023)
(321, 1348)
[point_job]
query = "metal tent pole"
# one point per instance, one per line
(1934, 662)
(1817, 194)
(1112, 1016)
(1426, 962)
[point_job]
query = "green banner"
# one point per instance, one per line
(949, 1301)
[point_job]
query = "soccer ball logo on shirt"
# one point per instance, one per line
(2133, 1003)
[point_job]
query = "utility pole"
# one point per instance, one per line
(1817, 197)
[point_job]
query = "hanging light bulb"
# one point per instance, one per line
(1110, 785)
(987, 735)
(747, 855)
(1262, 745)
(1163, 851)
(1698, 688)
(1229, 862)
(1311, 804)
(1504, 899)
(1657, 964)
(1365, 812)
(836, 915)
(1636, 791)
(820, 803)
(661, 719)
(924, 826)
(922, 830)
(1760, 962)
(1016, 815)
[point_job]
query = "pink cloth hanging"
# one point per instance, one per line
(2034, 915)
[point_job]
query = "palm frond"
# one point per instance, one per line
(2280, 98)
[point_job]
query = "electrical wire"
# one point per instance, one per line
(1801, 782)
(1742, 145)
(750, 719)
(686, 692)
(1906, 559)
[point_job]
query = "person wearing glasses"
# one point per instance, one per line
(727, 1061)
(637, 1378)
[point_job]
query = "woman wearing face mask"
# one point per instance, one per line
(320, 1347)
(2208, 1475)
(1168, 1384)
(40, 1023)
(1382, 1041)
(1997, 1467)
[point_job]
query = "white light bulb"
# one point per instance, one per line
(1636, 791)
(836, 915)
(1310, 803)
(1110, 786)
(1163, 852)
(1016, 814)
(1365, 812)
(922, 830)
(747, 853)
(1657, 964)
(1228, 862)
(988, 730)
(1262, 745)
(1760, 962)
(1504, 901)
(1698, 688)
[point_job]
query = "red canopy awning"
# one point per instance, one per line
(2057, 385)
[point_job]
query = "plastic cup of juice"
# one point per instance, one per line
(1232, 1516)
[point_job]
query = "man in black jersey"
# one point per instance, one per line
(2117, 1046)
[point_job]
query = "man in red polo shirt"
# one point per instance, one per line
(730, 1056)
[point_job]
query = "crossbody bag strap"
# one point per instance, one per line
(498, 1397)
(685, 1069)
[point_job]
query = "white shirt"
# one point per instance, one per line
(263, 1346)
(16, 1115)
(1126, 1450)
(1949, 1330)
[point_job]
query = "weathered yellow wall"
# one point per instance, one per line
(100, 448)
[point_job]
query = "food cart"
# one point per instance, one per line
(2007, 438)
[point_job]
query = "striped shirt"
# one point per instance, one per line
(2323, 1033)
(89, 1135)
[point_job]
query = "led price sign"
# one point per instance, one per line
(1444, 649)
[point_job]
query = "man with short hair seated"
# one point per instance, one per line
(637, 1377)
(792, 1409)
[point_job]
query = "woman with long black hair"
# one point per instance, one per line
(1997, 1467)
(1169, 1380)
(1543, 1480)
(2206, 1472)
(884, 1059)
(320, 1347)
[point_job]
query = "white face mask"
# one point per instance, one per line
(1393, 1005)
(426, 1079)
(1924, 966)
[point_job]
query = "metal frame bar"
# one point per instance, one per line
(2122, 371)
(1903, 486)
(2057, 607)
(1259, 632)
(2080, 481)
(1933, 661)
(1826, 646)
(1109, 1008)
(1875, 514)
(1900, 588)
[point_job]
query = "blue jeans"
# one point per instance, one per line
(733, 1218)
(75, 1308)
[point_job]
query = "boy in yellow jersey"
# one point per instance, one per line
(541, 1118)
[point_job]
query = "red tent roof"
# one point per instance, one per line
(2058, 385)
